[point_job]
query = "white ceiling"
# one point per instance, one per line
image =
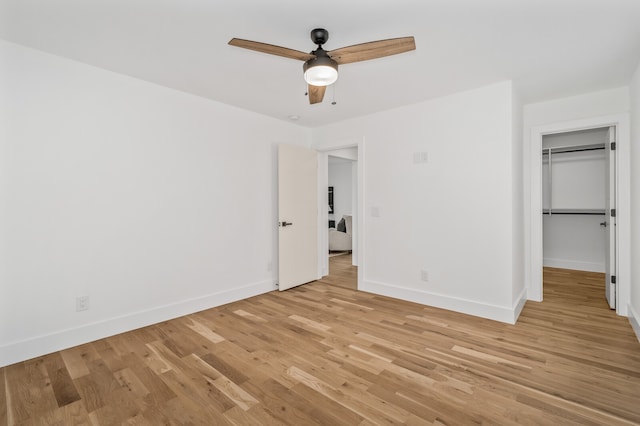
(550, 48)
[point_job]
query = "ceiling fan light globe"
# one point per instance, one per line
(321, 70)
(321, 75)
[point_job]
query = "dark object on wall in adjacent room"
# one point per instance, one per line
(331, 200)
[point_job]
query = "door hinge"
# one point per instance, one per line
(613, 279)
(613, 212)
(613, 146)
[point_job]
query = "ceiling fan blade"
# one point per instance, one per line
(271, 49)
(372, 50)
(316, 93)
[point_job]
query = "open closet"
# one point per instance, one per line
(578, 178)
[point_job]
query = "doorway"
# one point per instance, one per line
(534, 204)
(352, 149)
(577, 198)
(342, 180)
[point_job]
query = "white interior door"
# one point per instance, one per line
(297, 216)
(610, 219)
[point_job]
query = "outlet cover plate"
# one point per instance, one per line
(82, 303)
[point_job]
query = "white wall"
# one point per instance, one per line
(453, 215)
(345, 153)
(571, 114)
(634, 305)
(518, 292)
(153, 202)
(593, 104)
(574, 242)
(340, 177)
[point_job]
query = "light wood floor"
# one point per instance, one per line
(326, 354)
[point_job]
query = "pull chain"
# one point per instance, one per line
(333, 102)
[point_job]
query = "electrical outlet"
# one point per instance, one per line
(424, 275)
(82, 303)
(270, 266)
(420, 157)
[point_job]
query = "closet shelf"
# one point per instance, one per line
(573, 148)
(596, 212)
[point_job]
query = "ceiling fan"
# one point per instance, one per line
(321, 66)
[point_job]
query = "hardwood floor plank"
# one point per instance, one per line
(129, 381)
(255, 416)
(159, 392)
(224, 368)
(359, 401)
(325, 409)
(119, 406)
(204, 331)
(5, 399)
(224, 384)
(63, 387)
(96, 388)
(309, 323)
(184, 410)
(28, 391)
(74, 362)
(327, 354)
(281, 403)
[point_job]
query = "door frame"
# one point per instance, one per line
(323, 217)
(623, 200)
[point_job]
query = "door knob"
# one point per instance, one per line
(283, 224)
(603, 223)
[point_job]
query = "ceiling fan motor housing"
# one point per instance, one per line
(319, 36)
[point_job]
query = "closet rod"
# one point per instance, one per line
(593, 212)
(575, 148)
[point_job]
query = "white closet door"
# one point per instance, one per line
(610, 220)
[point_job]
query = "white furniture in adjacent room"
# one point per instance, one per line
(338, 240)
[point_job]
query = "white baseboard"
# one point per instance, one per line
(634, 320)
(498, 313)
(573, 264)
(519, 305)
(63, 339)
